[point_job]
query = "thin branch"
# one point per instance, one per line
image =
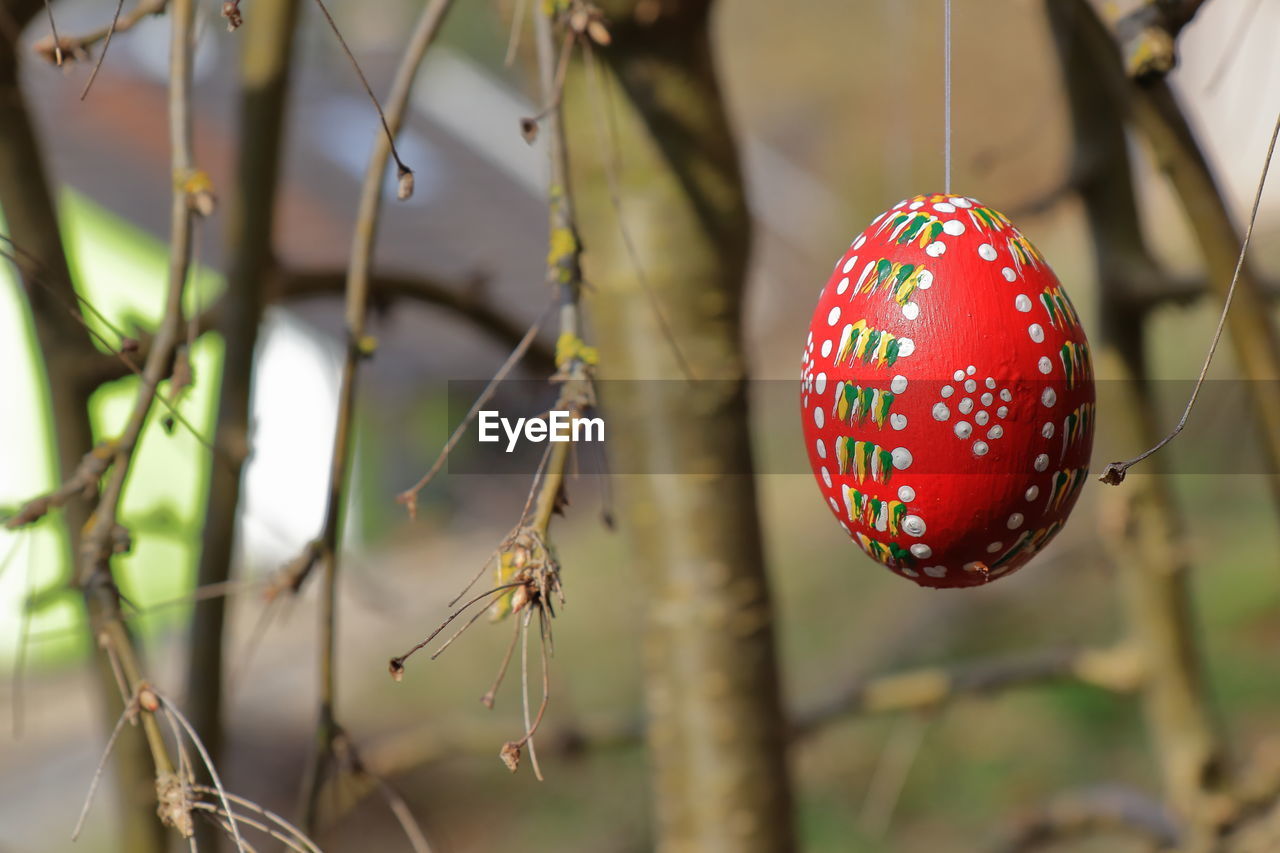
(491, 694)
(75, 47)
(409, 497)
(96, 368)
(1118, 669)
(231, 819)
(390, 126)
(174, 713)
(1112, 810)
(1148, 35)
(266, 54)
(106, 43)
(53, 29)
(83, 481)
(890, 774)
(399, 808)
(517, 25)
(358, 348)
(1115, 472)
(279, 821)
(464, 299)
(20, 655)
(396, 666)
(104, 537)
(130, 709)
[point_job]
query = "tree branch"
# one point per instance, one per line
(1140, 526)
(1104, 811)
(466, 300)
(265, 60)
(1117, 669)
(1148, 35)
(358, 347)
(103, 536)
(33, 224)
(1152, 108)
(77, 47)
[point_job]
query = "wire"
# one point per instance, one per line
(946, 75)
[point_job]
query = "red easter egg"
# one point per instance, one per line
(948, 397)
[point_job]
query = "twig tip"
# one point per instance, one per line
(404, 187)
(510, 755)
(1113, 474)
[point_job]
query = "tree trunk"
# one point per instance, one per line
(266, 53)
(32, 223)
(1140, 524)
(687, 498)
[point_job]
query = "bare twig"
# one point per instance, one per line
(265, 66)
(491, 694)
(231, 819)
(517, 25)
(1103, 811)
(395, 802)
(130, 709)
(1140, 528)
(390, 127)
(104, 537)
(20, 655)
(276, 819)
(1118, 669)
(75, 47)
(465, 299)
(396, 665)
(1149, 33)
(409, 497)
(83, 481)
(97, 368)
(106, 43)
(174, 713)
(359, 347)
(53, 30)
(890, 774)
(1114, 473)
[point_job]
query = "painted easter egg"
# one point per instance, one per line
(947, 395)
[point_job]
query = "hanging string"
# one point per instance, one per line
(946, 110)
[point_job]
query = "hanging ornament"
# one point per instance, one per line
(948, 395)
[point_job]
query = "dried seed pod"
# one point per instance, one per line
(947, 393)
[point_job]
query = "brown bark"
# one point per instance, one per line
(32, 223)
(716, 731)
(1153, 110)
(264, 73)
(1140, 522)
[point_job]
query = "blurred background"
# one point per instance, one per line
(837, 106)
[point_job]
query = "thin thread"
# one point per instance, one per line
(946, 110)
(1114, 473)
